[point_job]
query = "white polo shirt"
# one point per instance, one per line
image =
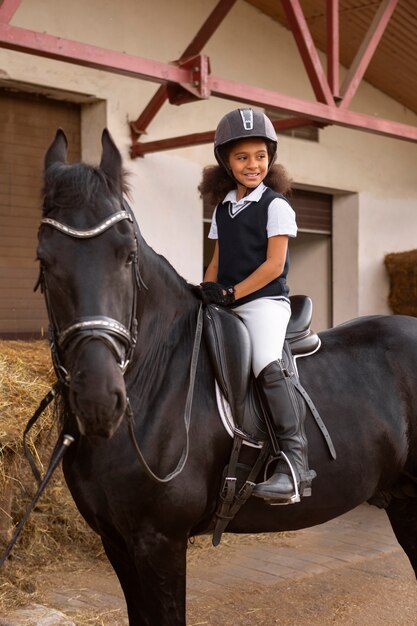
(281, 216)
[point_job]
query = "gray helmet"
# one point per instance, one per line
(243, 124)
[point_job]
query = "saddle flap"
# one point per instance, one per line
(229, 347)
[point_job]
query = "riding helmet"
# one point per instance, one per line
(243, 124)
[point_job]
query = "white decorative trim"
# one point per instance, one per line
(226, 416)
(247, 118)
(242, 208)
(301, 356)
(92, 232)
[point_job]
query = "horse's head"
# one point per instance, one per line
(88, 257)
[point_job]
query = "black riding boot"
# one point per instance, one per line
(279, 399)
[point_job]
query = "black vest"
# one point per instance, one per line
(243, 243)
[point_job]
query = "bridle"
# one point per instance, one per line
(120, 339)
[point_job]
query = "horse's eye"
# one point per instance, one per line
(131, 258)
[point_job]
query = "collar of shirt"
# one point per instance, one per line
(253, 196)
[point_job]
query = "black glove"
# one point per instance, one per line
(214, 293)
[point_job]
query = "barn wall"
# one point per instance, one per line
(380, 171)
(24, 123)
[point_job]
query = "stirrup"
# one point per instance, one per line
(296, 495)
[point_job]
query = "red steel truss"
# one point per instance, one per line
(189, 78)
(209, 27)
(8, 9)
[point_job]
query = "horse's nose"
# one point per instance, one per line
(97, 415)
(97, 391)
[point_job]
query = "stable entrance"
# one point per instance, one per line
(27, 126)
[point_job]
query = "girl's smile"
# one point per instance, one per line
(248, 160)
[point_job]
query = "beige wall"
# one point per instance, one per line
(310, 272)
(379, 216)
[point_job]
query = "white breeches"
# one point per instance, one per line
(266, 321)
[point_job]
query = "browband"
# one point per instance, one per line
(92, 232)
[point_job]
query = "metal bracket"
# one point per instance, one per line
(197, 88)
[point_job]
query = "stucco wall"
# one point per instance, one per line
(251, 48)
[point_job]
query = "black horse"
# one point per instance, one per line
(123, 329)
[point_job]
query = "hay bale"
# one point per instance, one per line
(8, 474)
(25, 377)
(55, 529)
(402, 271)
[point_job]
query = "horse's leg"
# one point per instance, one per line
(402, 514)
(125, 569)
(152, 575)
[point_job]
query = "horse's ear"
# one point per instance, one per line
(111, 159)
(57, 151)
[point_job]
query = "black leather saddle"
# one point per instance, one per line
(229, 347)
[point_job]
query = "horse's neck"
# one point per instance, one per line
(166, 325)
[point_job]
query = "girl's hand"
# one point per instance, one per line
(214, 293)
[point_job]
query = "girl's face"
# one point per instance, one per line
(248, 160)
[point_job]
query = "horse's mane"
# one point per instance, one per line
(167, 327)
(70, 185)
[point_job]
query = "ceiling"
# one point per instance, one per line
(393, 68)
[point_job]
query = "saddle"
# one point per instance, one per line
(229, 347)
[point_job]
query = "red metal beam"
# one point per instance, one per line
(139, 126)
(328, 114)
(197, 139)
(41, 44)
(208, 29)
(366, 51)
(7, 9)
(139, 149)
(333, 46)
(307, 50)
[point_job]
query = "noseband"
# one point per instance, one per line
(120, 339)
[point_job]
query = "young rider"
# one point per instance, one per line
(251, 225)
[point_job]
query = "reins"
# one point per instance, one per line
(61, 446)
(51, 395)
(187, 413)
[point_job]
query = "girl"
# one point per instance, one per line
(251, 225)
